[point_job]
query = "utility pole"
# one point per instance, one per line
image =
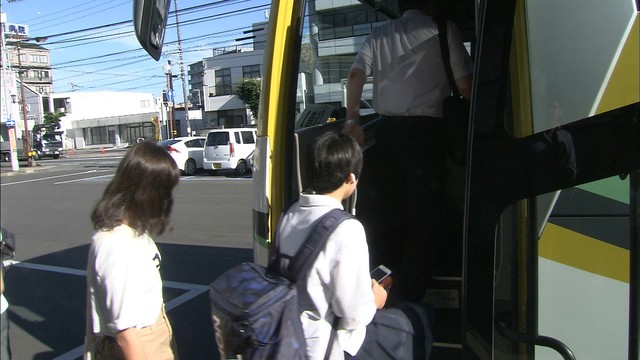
(27, 141)
(182, 77)
(167, 70)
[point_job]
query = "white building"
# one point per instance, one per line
(97, 119)
(213, 81)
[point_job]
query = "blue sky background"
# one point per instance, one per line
(110, 58)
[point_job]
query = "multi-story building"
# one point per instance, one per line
(213, 81)
(335, 37)
(34, 62)
(25, 76)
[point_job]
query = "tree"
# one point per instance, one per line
(52, 120)
(249, 91)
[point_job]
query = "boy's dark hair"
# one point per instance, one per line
(330, 160)
(405, 5)
(140, 191)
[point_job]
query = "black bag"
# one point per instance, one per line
(455, 108)
(7, 245)
(255, 309)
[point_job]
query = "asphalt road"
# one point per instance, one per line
(48, 208)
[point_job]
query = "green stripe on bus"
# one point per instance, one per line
(613, 188)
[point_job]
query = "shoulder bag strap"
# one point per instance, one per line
(444, 50)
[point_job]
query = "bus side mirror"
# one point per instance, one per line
(149, 22)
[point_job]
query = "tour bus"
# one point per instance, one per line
(540, 259)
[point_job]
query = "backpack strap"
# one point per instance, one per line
(444, 50)
(307, 253)
(305, 257)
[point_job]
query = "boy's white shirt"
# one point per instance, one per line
(4, 304)
(339, 282)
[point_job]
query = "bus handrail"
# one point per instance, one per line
(539, 340)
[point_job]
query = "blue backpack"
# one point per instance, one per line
(255, 309)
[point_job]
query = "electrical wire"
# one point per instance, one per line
(97, 34)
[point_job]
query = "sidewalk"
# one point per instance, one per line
(6, 170)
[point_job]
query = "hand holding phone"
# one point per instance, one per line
(380, 273)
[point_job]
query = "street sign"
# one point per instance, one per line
(169, 95)
(11, 123)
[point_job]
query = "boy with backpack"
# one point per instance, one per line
(339, 303)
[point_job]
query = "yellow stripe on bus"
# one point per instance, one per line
(623, 87)
(583, 252)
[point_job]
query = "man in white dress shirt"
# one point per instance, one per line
(409, 87)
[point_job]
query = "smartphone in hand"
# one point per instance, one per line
(380, 273)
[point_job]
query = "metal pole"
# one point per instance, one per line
(182, 78)
(172, 109)
(170, 104)
(27, 141)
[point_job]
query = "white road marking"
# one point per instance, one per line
(193, 290)
(52, 177)
(83, 179)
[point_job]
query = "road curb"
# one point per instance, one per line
(22, 170)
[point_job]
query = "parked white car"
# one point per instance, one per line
(186, 152)
(229, 149)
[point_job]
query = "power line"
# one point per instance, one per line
(84, 16)
(57, 12)
(96, 34)
(190, 9)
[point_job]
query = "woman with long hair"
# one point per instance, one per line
(126, 316)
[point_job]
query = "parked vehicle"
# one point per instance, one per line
(229, 149)
(250, 160)
(45, 144)
(186, 152)
(48, 144)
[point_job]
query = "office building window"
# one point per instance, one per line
(251, 71)
(43, 90)
(341, 24)
(96, 135)
(335, 68)
(223, 82)
(39, 59)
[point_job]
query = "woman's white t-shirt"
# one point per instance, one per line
(123, 279)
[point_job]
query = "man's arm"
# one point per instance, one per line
(355, 83)
(464, 86)
(130, 344)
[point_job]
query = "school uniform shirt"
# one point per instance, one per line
(339, 283)
(123, 278)
(404, 57)
(4, 304)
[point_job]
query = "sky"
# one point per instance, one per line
(110, 58)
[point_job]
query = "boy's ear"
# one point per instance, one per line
(351, 178)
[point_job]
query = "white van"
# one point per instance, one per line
(229, 149)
